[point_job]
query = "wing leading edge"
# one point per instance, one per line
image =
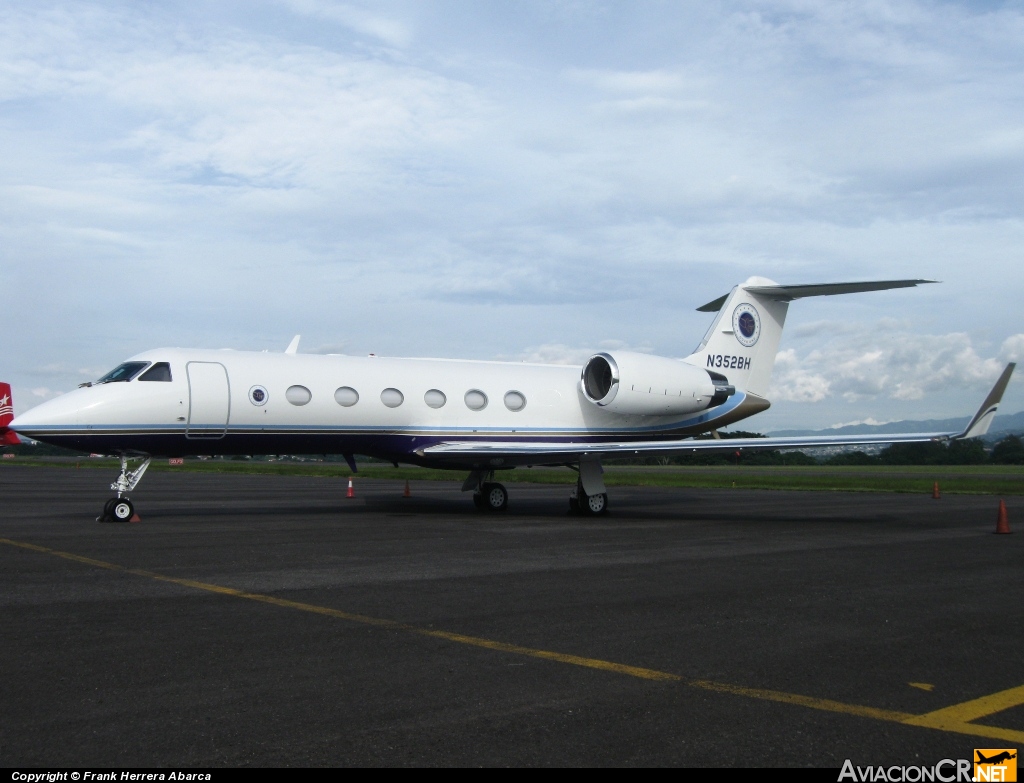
(552, 452)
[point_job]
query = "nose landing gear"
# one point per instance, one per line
(120, 508)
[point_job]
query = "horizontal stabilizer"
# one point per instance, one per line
(787, 293)
(9, 437)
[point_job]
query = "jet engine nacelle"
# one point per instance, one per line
(640, 384)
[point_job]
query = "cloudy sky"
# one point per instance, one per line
(517, 180)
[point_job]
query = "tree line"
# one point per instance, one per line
(1008, 451)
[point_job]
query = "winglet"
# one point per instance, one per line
(983, 418)
(293, 346)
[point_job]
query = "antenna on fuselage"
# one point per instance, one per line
(293, 346)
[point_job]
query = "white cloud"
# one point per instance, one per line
(869, 420)
(887, 364)
(557, 353)
(232, 110)
(389, 30)
(792, 380)
(631, 82)
(333, 348)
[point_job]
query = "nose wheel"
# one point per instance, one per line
(117, 510)
(120, 508)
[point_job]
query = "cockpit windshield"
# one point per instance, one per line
(123, 372)
(161, 371)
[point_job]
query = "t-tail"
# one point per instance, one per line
(744, 337)
(8, 437)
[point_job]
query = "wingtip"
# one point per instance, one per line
(986, 413)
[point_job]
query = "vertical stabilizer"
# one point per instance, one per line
(6, 405)
(744, 337)
(8, 437)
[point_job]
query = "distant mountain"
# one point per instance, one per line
(1004, 424)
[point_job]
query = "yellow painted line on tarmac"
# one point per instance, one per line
(956, 718)
(804, 701)
(959, 717)
(574, 660)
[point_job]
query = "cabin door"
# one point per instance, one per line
(209, 400)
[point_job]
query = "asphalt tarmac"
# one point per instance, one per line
(260, 620)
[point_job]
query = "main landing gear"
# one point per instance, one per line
(120, 508)
(488, 495)
(591, 505)
(590, 498)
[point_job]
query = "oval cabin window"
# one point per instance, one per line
(476, 400)
(435, 398)
(392, 397)
(298, 395)
(346, 396)
(515, 401)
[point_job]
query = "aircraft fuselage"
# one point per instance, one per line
(238, 402)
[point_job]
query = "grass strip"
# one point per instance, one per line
(953, 479)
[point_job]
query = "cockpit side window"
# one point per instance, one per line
(161, 371)
(123, 372)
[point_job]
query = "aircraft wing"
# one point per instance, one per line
(555, 451)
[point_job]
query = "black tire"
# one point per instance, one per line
(108, 511)
(595, 505)
(495, 497)
(122, 510)
(478, 501)
(574, 505)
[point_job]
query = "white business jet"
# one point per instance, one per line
(464, 415)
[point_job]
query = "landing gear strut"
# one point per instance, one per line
(120, 508)
(590, 498)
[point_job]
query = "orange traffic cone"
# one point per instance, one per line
(407, 493)
(351, 490)
(935, 491)
(1002, 520)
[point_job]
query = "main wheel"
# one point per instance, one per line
(123, 510)
(595, 505)
(495, 497)
(478, 500)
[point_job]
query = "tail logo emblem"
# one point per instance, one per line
(746, 325)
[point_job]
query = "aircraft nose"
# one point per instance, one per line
(52, 414)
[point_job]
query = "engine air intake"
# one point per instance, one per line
(600, 376)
